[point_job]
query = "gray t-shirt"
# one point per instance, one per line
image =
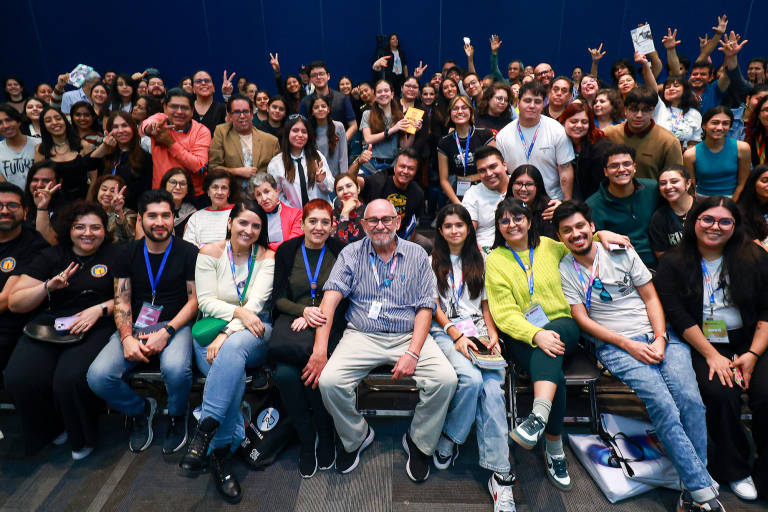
(620, 272)
(387, 148)
(15, 164)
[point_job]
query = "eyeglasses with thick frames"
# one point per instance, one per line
(616, 165)
(238, 113)
(373, 221)
(519, 184)
(174, 183)
(12, 207)
(183, 108)
(726, 223)
(517, 219)
(319, 74)
(199, 81)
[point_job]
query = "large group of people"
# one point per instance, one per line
(140, 221)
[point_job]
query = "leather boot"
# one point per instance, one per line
(223, 477)
(196, 459)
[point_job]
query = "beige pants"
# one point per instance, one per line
(357, 355)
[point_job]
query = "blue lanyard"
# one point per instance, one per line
(453, 289)
(390, 277)
(593, 275)
(234, 271)
(708, 280)
(529, 149)
(529, 276)
(466, 151)
(312, 279)
(122, 159)
(152, 279)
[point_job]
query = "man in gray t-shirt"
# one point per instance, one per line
(615, 304)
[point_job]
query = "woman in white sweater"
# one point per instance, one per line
(210, 225)
(234, 282)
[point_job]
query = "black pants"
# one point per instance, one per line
(47, 384)
(729, 461)
(302, 402)
(7, 344)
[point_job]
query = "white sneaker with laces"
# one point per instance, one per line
(501, 492)
(744, 489)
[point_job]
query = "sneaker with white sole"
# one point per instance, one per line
(744, 489)
(557, 470)
(347, 461)
(141, 427)
(82, 453)
(501, 492)
(417, 465)
(445, 461)
(63, 438)
(687, 504)
(528, 433)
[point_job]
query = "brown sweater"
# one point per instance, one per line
(656, 149)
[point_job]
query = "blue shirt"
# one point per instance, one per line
(711, 97)
(412, 287)
(70, 98)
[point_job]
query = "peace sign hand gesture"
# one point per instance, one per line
(43, 195)
(320, 173)
(226, 84)
(419, 71)
(61, 279)
(597, 53)
(119, 201)
(274, 63)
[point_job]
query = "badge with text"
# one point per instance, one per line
(462, 186)
(149, 315)
(715, 331)
(373, 313)
(536, 315)
(466, 326)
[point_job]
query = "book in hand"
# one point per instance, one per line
(412, 115)
(484, 358)
(149, 329)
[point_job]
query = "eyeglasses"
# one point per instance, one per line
(519, 184)
(616, 165)
(410, 86)
(726, 223)
(80, 228)
(517, 219)
(12, 207)
(319, 74)
(373, 221)
(473, 82)
(295, 116)
(174, 183)
(542, 73)
(460, 108)
(183, 108)
(604, 295)
(238, 113)
(501, 99)
(644, 111)
(199, 81)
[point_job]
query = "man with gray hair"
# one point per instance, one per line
(283, 221)
(82, 94)
(390, 286)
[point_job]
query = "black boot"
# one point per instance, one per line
(196, 458)
(223, 477)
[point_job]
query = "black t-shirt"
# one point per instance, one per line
(216, 115)
(136, 184)
(447, 146)
(94, 273)
(409, 203)
(666, 227)
(172, 286)
(493, 123)
(15, 256)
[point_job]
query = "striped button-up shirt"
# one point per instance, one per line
(412, 287)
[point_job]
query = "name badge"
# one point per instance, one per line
(149, 315)
(462, 186)
(715, 331)
(466, 327)
(536, 315)
(373, 313)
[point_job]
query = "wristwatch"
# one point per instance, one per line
(228, 332)
(170, 329)
(658, 335)
(104, 310)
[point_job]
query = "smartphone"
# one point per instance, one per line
(64, 324)
(617, 247)
(493, 38)
(738, 377)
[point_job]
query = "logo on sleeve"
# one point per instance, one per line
(7, 264)
(99, 270)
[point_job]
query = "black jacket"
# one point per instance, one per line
(589, 166)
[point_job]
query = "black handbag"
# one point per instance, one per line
(41, 328)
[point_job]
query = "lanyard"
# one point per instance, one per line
(592, 276)
(708, 280)
(529, 276)
(527, 149)
(390, 277)
(312, 279)
(675, 118)
(466, 151)
(240, 295)
(152, 280)
(122, 159)
(457, 295)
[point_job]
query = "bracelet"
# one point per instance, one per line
(754, 353)
(42, 209)
(45, 285)
(458, 338)
(412, 354)
(448, 326)
(124, 337)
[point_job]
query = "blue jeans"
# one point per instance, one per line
(671, 395)
(225, 383)
(105, 376)
(373, 166)
(479, 399)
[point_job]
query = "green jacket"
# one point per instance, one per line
(495, 71)
(610, 213)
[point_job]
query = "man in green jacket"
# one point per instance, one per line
(625, 204)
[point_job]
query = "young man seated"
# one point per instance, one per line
(615, 304)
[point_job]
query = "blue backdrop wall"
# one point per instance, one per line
(43, 38)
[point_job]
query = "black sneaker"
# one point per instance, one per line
(223, 477)
(687, 504)
(443, 462)
(326, 450)
(141, 427)
(347, 461)
(417, 466)
(177, 433)
(308, 459)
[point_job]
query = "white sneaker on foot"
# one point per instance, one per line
(744, 489)
(501, 492)
(61, 439)
(82, 453)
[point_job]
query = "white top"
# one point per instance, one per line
(338, 161)
(551, 148)
(724, 310)
(15, 164)
(686, 127)
(206, 226)
(466, 306)
(620, 272)
(290, 193)
(481, 202)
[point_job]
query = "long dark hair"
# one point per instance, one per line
(115, 101)
(136, 158)
(754, 127)
(541, 199)
(376, 119)
(750, 204)
(87, 106)
(515, 207)
(712, 112)
(482, 105)
(330, 130)
(742, 273)
(249, 204)
(688, 100)
(46, 146)
(440, 106)
(310, 150)
(472, 264)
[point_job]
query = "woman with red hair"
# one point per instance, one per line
(589, 144)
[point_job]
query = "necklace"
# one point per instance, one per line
(81, 262)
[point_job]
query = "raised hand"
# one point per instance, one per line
(109, 139)
(163, 137)
(731, 46)
(366, 155)
(419, 71)
(138, 76)
(469, 50)
(62, 81)
(495, 43)
(669, 41)
(722, 25)
(381, 63)
(60, 280)
(226, 84)
(641, 59)
(43, 195)
(597, 53)
(119, 201)
(320, 173)
(703, 41)
(274, 63)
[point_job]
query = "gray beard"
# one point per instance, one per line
(385, 242)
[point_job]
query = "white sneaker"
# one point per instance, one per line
(557, 470)
(61, 439)
(501, 492)
(82, 454)
(744, 489)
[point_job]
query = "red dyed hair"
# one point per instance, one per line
(574, 108)
(318, 204)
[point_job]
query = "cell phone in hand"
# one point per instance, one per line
(738, 376)
(64, 324)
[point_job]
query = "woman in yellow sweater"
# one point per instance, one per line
(526, 299)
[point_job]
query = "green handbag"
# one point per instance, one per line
(207, 329)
